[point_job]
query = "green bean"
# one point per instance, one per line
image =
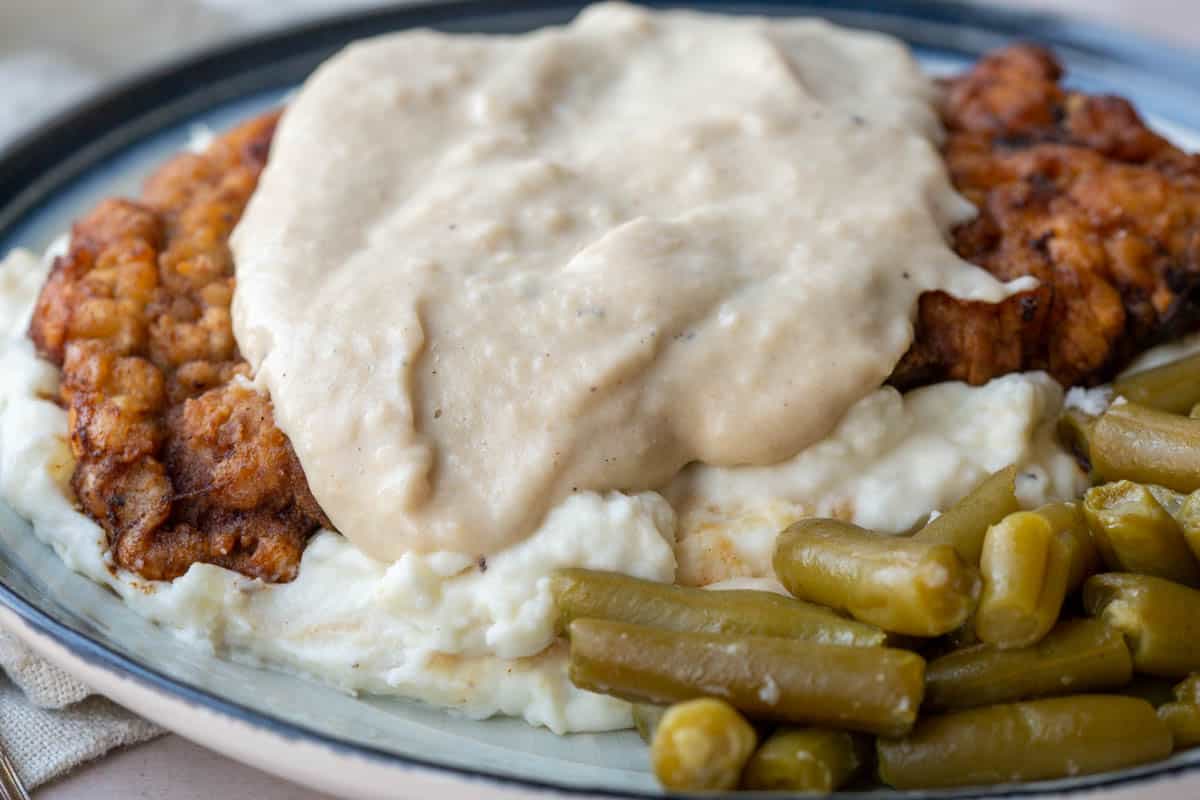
(903, 585)
(1025, 568)
(1134, 533)
(701, 745)
(1160, 620)
(806, 760)
(1013, 564)
(1068, 520)
(1183, 720)
(1188, 689)
(646, 718)
(1080, 655)
(1173, 387)
(964, 525)
(873, 689)
(1182, 715)
(1185, 508)
(587, 594)
(1171, 500)
(1136, 443)
(1035, 740)
(1188, 517)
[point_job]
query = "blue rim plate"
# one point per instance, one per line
(105, 145)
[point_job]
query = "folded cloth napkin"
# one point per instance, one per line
(51, 723)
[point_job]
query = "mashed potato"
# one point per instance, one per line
(479, 636)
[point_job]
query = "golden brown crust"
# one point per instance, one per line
(1077, 192)
(176, 459)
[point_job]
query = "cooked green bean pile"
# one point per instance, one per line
(993, 645)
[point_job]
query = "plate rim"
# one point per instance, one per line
(80, 137)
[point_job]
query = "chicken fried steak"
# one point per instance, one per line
(176, 458)
(180, 462)
(1076, 191)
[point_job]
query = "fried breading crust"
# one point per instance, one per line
(1077, 192)
(177, 458)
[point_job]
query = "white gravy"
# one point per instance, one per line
(481, 273)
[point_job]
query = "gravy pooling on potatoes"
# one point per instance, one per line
(481, 273)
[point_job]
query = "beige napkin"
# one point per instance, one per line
(51, 723)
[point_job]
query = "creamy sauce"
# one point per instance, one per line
(483, 273)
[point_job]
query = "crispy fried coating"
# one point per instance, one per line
(1077, 192)
(176, 457)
